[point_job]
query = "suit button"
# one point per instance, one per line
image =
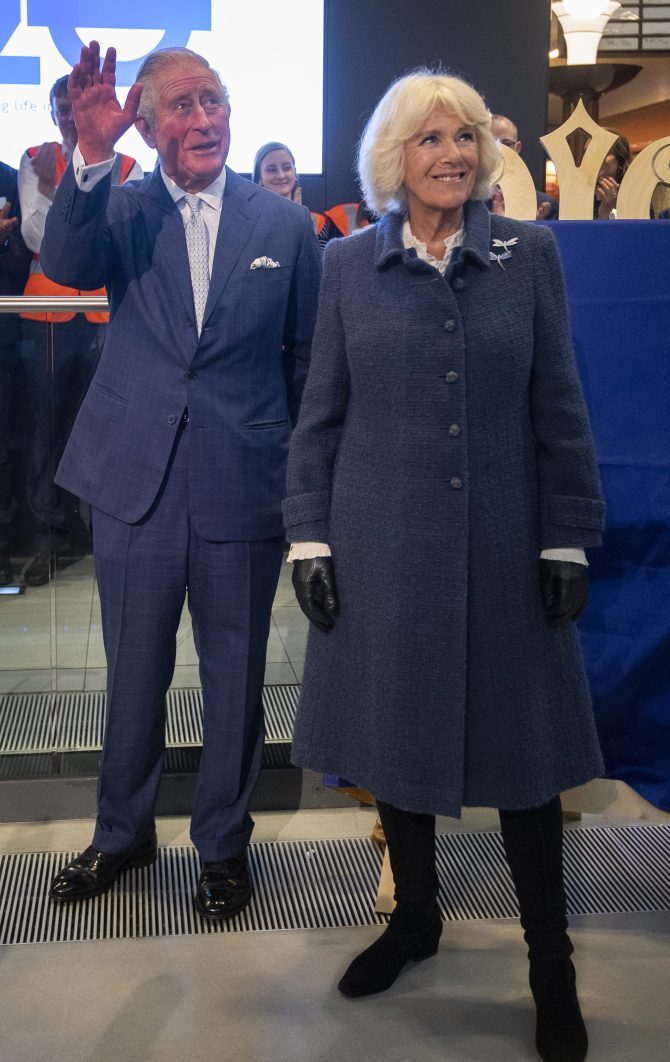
(191, 374)
(455, 483)
(451, 377)
(459, 284)
(454, 430)
(450, 325)
(172, 419)
(190, 323)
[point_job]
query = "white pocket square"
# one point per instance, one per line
(264, 263)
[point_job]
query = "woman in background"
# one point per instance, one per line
(274, 169)
(609, 178)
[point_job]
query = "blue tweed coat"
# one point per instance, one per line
(443, 442)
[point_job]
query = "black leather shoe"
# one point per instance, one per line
(41, 567)
(224, 888)
(6, 573)
(411, 936)
(94, 872)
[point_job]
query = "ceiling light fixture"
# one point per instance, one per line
(583, 22)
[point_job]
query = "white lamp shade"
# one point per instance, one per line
(583, 22)
(585, 9)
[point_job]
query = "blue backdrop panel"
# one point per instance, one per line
(617, 276)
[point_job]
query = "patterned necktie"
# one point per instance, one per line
(198, 256)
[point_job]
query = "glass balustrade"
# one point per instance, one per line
(52, 656)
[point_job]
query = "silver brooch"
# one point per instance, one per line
(500, 256)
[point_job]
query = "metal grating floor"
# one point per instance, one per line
(73, 722)
(331, 884)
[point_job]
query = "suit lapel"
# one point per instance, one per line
(239, 217)
(166, 232)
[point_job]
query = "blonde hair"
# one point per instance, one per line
(399, 115)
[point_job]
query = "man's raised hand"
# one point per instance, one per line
(98, 115)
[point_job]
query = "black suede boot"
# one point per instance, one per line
(533, 842)
(415, 927)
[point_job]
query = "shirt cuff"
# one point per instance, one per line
(307, 550)
(577, 556)
(88, 176)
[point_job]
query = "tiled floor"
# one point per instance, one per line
(58, 627)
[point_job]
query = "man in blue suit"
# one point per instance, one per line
(180, 444)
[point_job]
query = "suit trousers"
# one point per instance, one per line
(144, 571)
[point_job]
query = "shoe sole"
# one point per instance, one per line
(133, 864)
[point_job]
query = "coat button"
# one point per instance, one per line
(455, 483)
(450, 325)
(191, 374)
(172, 419)
(454, 430)
(459, 284)
(451, 377)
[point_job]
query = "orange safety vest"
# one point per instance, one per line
(39, 284)
(345, 217)
(319, 221)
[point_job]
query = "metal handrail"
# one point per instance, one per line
(52, 303)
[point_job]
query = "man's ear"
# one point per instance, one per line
(517, 147)
(145, 132)
(53, 116)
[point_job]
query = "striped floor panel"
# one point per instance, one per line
(330, 884)
(73, 722)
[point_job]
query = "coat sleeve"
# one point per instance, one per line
(300, 317)
(322, 415)
(76, 250)
(572, 509)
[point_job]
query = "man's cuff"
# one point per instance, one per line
(577, 556)
(88, 176)
(307, 550)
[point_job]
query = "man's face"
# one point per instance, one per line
(61, 112)
(191, 132)
(506, 132)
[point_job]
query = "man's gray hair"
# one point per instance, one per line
(152, 67)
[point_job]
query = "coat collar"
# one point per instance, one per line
(476, 244)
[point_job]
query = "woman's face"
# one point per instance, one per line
(441, 163)
(609, 168)
(278, 172)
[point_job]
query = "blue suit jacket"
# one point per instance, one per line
(241, 380)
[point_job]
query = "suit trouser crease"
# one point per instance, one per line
(143, 573)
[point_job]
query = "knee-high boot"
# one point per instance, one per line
(533, 842)
(415, 927)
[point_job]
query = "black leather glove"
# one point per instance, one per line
(315, 589)
(565, 589)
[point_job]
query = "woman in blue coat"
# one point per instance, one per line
(442, 487)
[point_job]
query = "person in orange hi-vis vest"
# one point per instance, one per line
(60, 355)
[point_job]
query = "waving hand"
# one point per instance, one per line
(98, 115)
